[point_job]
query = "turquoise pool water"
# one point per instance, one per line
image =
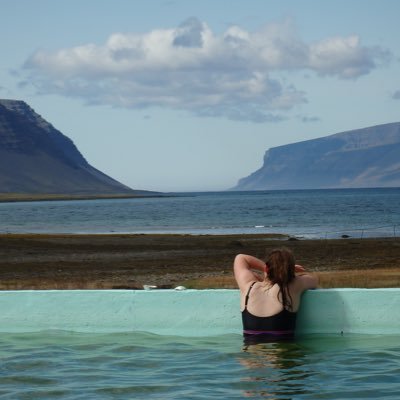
(60, 365)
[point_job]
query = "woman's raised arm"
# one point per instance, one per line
(248, 269)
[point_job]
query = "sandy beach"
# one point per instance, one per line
(204, 261)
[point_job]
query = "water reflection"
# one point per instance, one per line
(136, 365)
(314, 367)
(274, 370)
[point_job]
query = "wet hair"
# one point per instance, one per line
(280, 266)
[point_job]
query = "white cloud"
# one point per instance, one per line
(233, 75)
(344, 57)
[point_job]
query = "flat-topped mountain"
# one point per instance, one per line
(368, 157)
(36, 158)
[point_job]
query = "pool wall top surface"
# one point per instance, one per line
(191, 312)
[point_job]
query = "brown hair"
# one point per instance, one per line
(281, 270)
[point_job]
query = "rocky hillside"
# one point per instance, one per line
(37, 158)
(368, 157)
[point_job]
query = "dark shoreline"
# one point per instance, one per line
(57, 197)
(112, 261)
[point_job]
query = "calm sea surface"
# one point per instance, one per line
(62, 365)
(308, 213)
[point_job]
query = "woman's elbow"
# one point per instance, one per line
(309, 281)
(239, 259)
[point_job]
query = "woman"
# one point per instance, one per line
(270, 293)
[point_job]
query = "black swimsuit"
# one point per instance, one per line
(282, 324)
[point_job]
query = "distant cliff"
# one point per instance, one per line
(368, 157)
(37, 158)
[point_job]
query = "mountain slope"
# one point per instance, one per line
(368, 157)
(37, 158)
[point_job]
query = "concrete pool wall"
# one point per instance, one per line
(191, 312)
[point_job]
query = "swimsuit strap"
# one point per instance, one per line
(247, 296)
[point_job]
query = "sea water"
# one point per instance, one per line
(307, 213)
(62, 365)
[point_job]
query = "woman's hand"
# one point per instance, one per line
(299, 268)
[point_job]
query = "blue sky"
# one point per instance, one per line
(183, 95)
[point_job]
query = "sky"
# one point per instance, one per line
(187, 95)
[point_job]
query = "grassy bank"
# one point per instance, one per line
(204, 261)
(367, 279)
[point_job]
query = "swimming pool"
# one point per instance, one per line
(66, 365)
(91, 345)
